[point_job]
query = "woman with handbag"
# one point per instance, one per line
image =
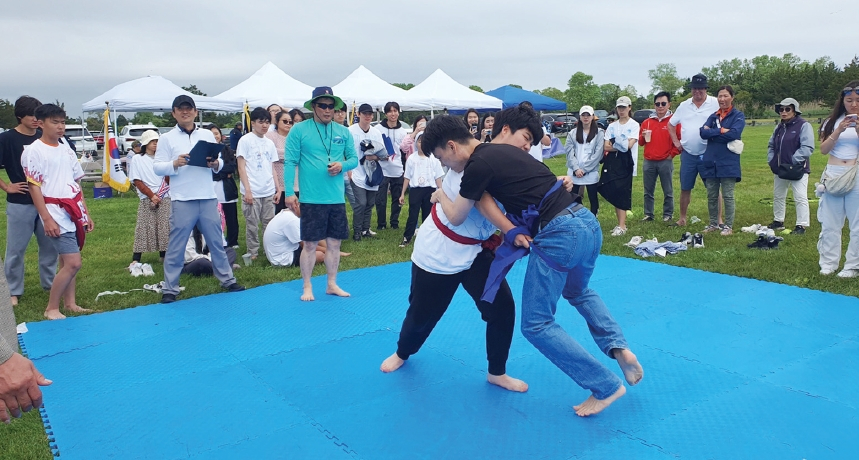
(840, 193)
(790, 147)
(720, 168)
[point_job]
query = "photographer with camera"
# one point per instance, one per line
(368, 175)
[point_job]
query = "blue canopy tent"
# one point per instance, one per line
(512, 96)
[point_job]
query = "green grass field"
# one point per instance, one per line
(108, 253)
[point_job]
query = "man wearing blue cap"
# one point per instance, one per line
(323, 151)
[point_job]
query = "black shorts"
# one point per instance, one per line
(321, 221)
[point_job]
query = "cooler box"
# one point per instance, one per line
(102, 190)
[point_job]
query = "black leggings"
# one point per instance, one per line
(137, 255)
(430, 296)
(419, 201)
(232, 219)
(593, 196)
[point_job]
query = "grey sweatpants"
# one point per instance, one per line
(22, 221)
(664, 170)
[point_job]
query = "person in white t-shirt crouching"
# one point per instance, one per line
(282, 241)
(260, 193)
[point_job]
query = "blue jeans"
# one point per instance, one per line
(574, 242)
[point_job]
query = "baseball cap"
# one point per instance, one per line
(365, 108)
(623, 101)
(699, 81)
(183, 99)
(586, 109)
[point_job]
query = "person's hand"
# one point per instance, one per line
(334, 168)
(276, 197)
(579, 173)
(17, 187)
(292, 203)
(402, 200)
(19, 387)
(90, 225)
(181, 160)
(568, 183)
(155, 200)
(51, 228)
(248, 197)
(523, 241)
(706, 127)
(436, 196)
(845, 123)
(676, 143)
(212, 163)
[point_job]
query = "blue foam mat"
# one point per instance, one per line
(734, 368)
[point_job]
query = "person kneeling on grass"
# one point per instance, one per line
(54, 173)
(566, 238)
(282, 241)
(198, 262)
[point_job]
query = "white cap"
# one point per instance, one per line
(586, 109)
(623, 101)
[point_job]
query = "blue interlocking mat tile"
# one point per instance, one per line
(734, 368)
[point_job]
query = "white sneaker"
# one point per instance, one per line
(634, 242)
(618, 231)
(765, 232)
(848, 273)
(370, 232)
(136, 269)
(147, 270)
(826, 271)
(751, 228)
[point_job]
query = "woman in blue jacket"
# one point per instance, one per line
(720, 168)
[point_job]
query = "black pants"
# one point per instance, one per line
(419, 201)
(593, 196)
(280, 205)
(232, 218)
(430, 296)
(396, 187)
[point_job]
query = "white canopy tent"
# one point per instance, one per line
(269, 85)
(153, 94)
(439, 91)
(363, 87)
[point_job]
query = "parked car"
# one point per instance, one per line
(99, 139)
(641, 115)
(603, 119)
(164, 129)
(83, 140)
(559, 122)
(131, 133)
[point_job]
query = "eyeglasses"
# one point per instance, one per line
(287, 121)
(784, 108)
(848, 90)
(660, 104)
(325, 106)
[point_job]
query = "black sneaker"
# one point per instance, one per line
(381, 226)
(686, 239)
(698, 241)
(395, 226)
(168, 298)
(760, 243)
(356, 236)
(776, 225)
(799, 230)
(647, 219)
(772, 242)
(366, 234)
(235, 287)
(404, 243)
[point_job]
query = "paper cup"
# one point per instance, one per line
(247, 259)
(647, 134)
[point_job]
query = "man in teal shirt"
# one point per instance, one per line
(323, 152)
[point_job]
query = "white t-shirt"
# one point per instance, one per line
(422, 171)
(436, 253)
(56, 170)
(281, 238)
(622, 133)
(393, 166)
(259, 153)
(359, 176)
(143, 171)
(537, 150)
(691, 118)
(847, 145)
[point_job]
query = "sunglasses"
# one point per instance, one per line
(660, 104)
(289, 122)
(848, 90)
(784, 108)
(325, 106)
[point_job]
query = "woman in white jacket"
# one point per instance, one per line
(584, 149)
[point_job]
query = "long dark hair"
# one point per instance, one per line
(465, 117)
(591, 133)
(837, 111)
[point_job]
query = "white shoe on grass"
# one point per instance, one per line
(147, 270)
(848, 273)
(618, 231)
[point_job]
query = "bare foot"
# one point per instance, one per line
(345, 254)
(54, 314)
(77, 309)
(391, 363)
(593, 405)
(14, 300)
(632, 370)
(507, 382)
(681, 223)
(307, 296)
(335, 290)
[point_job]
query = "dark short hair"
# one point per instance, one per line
(391, 105)
(280, 115)
(294, 112)
(727, 88)
(272, 105)
(211, 126)
(26, 106)
(45, 111)
(260, 114)
(444, 128)
(520, 117)
(527, 104)
(665, 94)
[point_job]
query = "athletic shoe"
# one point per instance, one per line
(235, 287)
(367, 234)
(698, 241)
(751, 228)
(136, 269)
(799, 230)
(765, 231)
(370, 232)
(168, 298)
(776, 225)
(618, 231)
(395, 226)
(404, 243)
(634, 242)
(712, 228)
(760, 243)
(773, 241)
(647, 219)
(356, 237)
(147, 270)
(726, 231)
(381, 227)
(667, 218)
(826, 271)
(848, 273)
(686, 239)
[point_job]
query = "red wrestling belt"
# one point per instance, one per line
(490, 243)
(75, 209)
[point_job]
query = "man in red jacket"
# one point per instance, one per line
(659, 153)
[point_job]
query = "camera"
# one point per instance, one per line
(366, 145)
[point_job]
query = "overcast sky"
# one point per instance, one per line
(74, 51)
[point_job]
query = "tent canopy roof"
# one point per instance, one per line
(363, 87)
(155, 94)
(512, 96)
(442, 92)
(269, 85)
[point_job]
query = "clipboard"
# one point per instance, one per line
(203, 150)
